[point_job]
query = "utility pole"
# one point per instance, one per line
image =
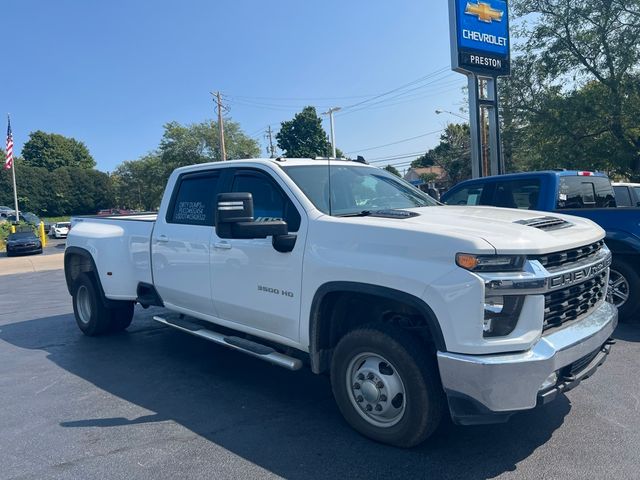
(223, 151)
(272, 149)
(333, 135)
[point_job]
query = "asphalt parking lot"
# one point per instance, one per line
(156, 403)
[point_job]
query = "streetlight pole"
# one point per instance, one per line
(333, 134)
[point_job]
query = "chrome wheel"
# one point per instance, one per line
(618, 292)
(83, 303)
(376, 389)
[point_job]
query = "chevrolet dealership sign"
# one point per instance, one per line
(480, 37)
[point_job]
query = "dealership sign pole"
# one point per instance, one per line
(480, 49)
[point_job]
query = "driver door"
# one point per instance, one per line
(253, 284)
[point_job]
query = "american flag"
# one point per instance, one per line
(9, 161)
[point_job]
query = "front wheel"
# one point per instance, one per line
(624, 290)
(386, 384)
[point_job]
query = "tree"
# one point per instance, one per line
(582, 58)
(64, 191)
(51, 151)
(453, 154)
(200, 143)
(303, 136)
(139, 184)
(392, 169)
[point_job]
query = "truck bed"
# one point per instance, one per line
(121, 249)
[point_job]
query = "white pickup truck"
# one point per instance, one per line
(411, 307)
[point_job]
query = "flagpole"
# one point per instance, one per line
(13, 174)
(15, 191)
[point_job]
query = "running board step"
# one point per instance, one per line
(249, 347)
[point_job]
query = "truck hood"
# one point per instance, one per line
(509, 231)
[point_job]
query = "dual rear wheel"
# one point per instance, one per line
(92, 315)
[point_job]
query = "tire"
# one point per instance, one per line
(92, 317)
(625, 282)
(397, 377)
(121, 317)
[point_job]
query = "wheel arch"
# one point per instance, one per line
(78, 260)
(332, 296)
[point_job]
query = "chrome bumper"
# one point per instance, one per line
(489, 388)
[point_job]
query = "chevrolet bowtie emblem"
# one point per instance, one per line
(484, 12)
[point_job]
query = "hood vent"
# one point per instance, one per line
(545, 223)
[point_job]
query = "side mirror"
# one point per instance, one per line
(234, 219)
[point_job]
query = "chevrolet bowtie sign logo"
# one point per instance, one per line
(484, 12)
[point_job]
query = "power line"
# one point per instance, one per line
(396, 142)
(401, 95)
(413, 82)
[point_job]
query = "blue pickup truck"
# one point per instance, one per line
(584, 194)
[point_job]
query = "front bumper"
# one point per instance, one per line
(17, 249)
(490, 388)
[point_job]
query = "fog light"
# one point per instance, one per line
(550, 381)
(501, 315)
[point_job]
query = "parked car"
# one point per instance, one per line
(627, 194)
(22, 243)
(579, 193)
(59, 230)
(415, 310)
(31, 219)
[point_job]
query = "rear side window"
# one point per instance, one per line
(194, 200)
(623, 199)
(466, 196)
(522, 194)
(585, 192)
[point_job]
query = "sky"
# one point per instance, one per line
(110, 74)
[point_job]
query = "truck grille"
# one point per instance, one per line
(565, 305)
(559, 259)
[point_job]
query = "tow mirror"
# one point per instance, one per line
(234, 219)
(234, 208)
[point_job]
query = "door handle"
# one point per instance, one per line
(222, 245)
(162, 239)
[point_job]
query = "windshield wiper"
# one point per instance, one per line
(363, 213)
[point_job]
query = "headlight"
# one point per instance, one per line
(501, 315)
(490, 263)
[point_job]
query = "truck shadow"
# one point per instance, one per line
(285, 422)
(628, 332)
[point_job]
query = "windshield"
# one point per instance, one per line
(63, 225)
(21, 236)
(356, 189)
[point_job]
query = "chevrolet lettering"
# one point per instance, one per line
(578, 276)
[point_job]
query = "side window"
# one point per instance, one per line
(585, 192)
(522, 194)
(194, 200)
(269, 202)
(467, 196)
(637, 190)
(623, 199)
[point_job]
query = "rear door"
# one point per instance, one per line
(181, 243)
